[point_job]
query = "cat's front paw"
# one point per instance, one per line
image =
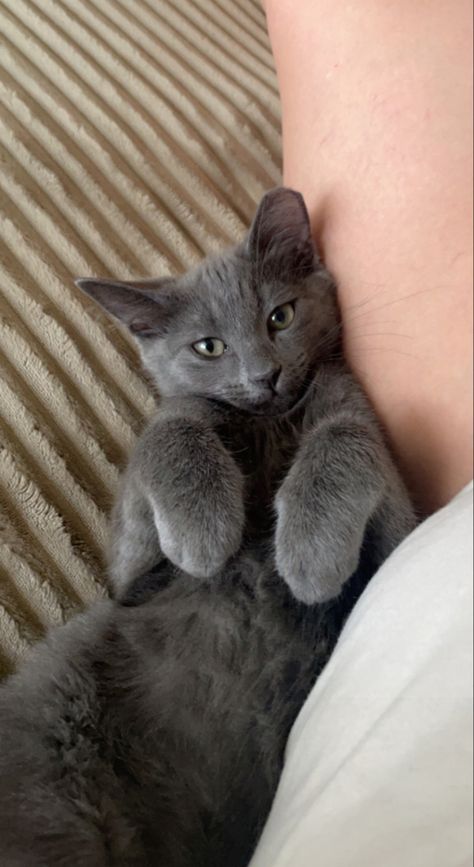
(201, 540)
(313, 555)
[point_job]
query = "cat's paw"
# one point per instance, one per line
(313, 556)
(200, 543)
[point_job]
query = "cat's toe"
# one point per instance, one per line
(191, 558)
(310, 582)
(313, 571)
(203, 560)
(205, 549)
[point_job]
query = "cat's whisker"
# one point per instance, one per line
(381, 334)
(390, 349)
(379, 307)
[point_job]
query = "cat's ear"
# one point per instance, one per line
(280, 239)
(144, 306)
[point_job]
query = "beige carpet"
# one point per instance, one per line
(135, 135)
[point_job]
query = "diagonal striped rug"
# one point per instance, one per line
(135, 136)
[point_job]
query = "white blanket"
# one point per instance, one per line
(379, 765)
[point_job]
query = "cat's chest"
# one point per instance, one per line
(264, 450)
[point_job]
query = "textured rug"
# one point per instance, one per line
(135, 136)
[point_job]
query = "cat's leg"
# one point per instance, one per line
(393, 519)
(341, 481)
(182, 497)
(134, 545)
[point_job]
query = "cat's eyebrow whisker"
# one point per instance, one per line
(382, 334)
(390, 303)
(341, 326)
(390, 349)
(335, 328)
(336, 355)
(330, 336)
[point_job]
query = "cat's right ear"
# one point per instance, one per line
(280, 239)
(144, 306)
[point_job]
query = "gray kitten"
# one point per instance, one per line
(256, 407)
(151, 730)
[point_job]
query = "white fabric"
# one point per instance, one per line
(379, 764)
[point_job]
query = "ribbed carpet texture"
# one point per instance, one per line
(135, 136)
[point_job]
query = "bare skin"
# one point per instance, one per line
(377, 133)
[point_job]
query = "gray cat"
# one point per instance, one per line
(151, 730)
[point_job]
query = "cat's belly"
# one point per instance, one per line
(264, 449)
(223, 673)
(205, 648)
(155, 733)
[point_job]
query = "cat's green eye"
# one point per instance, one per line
(210, 347)
(282, 317)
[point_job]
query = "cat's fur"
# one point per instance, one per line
(153, 733)
(277, 417)
(151, 730)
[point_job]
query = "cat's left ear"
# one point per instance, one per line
(144, 306)
(280, 239)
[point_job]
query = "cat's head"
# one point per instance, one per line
(247, 327)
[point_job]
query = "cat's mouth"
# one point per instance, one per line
(278, 404)
(272, 404)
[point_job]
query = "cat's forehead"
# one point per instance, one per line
(229, 285)
(223, 285)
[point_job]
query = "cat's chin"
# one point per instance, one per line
(269, 409)
(277, 406)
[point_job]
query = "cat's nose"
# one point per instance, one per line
(270, 378)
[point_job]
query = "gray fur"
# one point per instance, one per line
(151, 730)
(184, 490)
(151, 734)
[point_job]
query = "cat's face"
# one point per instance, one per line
(245, 328)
